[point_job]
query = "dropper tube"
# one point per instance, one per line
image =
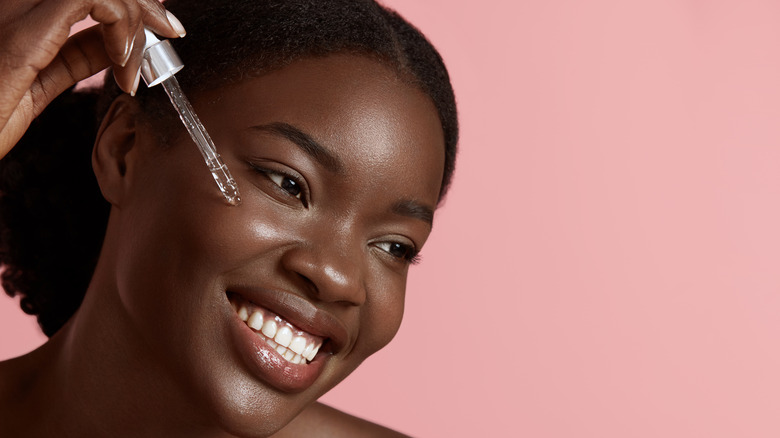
(159, 65)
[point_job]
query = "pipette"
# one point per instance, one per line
(159, 65)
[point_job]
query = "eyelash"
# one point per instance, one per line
(411, 256)
(271, 174)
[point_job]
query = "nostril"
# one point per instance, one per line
(308, 282)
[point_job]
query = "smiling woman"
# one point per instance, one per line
(193, 317)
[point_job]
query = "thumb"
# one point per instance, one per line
(82, 56)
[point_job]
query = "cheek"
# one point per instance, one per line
(381, 317)
(162, 268)
(253, 233)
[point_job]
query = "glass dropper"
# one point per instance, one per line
(159, 65)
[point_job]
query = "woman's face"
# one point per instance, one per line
(339, 164)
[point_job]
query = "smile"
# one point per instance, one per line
(284, 339)
(291, 343)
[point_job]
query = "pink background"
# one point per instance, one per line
(607, 262)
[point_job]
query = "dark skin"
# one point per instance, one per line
(40, 60)
(154, 346)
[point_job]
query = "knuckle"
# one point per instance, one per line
(152, 8)
(134, 12)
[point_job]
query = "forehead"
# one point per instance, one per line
(355, 106)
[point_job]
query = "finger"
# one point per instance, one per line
(128, 76)
(159, 20)
(30, 45)
(54, 18)
(119, 20)
(82, 56)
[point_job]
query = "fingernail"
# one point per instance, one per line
(176, 24)
(137, 81)
(128, 51)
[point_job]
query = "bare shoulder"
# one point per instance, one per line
(320, 420)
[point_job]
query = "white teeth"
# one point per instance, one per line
(243, 313)
(284, 336)
(298, 344)
(269, 329)
(279, 336)
(313, 352)
(255, 321)
(308, 350)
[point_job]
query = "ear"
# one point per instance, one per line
(112, 153)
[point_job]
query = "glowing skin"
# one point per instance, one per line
(325, 253)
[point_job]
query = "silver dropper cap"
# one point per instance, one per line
(159, 61)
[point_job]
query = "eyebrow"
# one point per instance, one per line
(414, 210)
(306, 143)
(311, 147)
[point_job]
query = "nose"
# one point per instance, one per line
(331, 267)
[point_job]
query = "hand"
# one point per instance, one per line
(38, 60)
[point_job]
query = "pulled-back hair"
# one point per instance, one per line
(52, 215)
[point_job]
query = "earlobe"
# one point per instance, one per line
(112, 153)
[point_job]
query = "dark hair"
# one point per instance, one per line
(52, 215)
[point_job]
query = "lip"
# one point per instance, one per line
(264, 361)
(300, 313)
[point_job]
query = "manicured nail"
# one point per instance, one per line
(136, 82)
(128, 51)
(176, 24)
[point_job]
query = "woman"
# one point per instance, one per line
(169, 311)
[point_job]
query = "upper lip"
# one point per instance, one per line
(300, 312)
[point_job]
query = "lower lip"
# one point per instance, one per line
(264, 362)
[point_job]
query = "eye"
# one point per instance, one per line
(287, 184)
(407, 253)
